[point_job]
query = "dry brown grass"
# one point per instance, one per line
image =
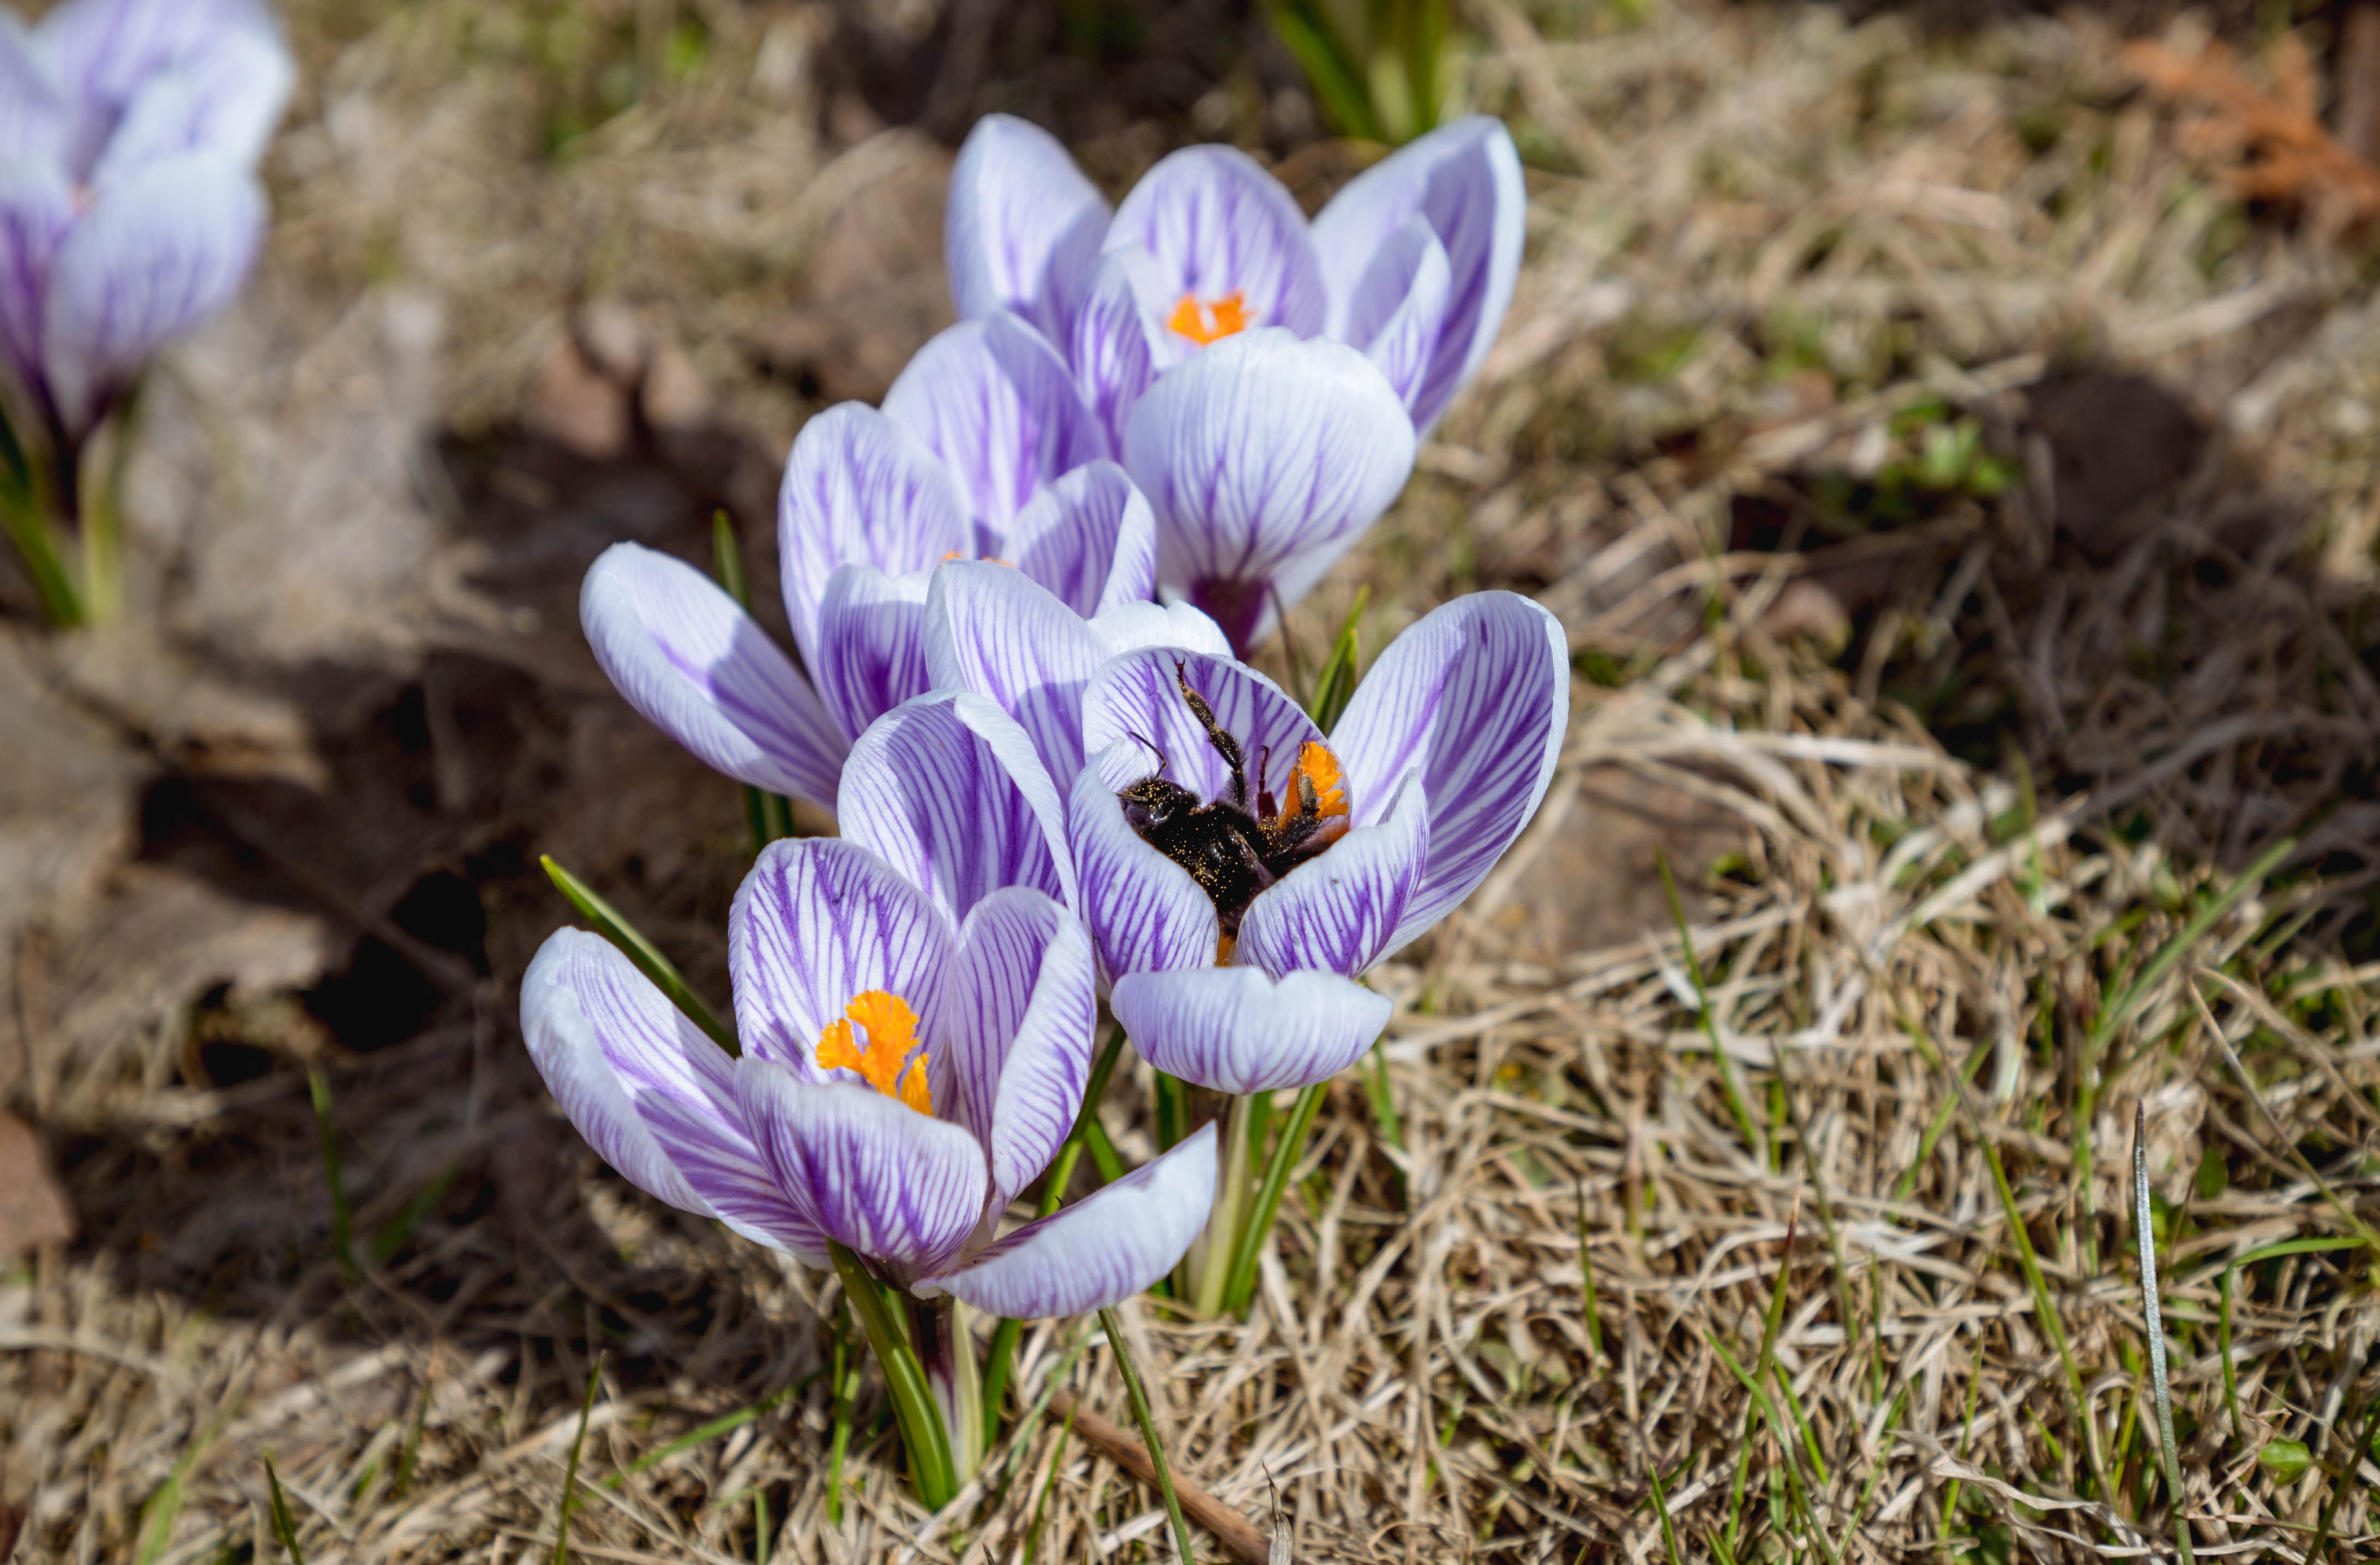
(1986, 785)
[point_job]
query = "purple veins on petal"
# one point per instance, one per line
(1099, 1251)
(694, 664)
(817, 922)
(1235, 1029)
(1339, 911)
(993, 401)
(1022, 1009)
(1089, 538)
(1023, 224)
(1216, 225)
(1144, 910)
(991, 630)
(860, 490)
(870, 653)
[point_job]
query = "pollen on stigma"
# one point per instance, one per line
(887, 1063)
(1211, 320)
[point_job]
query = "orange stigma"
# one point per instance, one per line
(1209, 320)
(885, 1064)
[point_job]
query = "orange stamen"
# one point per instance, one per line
(1209, 320)
(1223, 944)
(1320, 768)
(885, 1064)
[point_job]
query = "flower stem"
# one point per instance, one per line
(1138, 1394)
(938, 1328)
(1208, 1267)
(923, 1434)
(1286, 1151)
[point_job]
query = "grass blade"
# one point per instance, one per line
(1661, 1509)
(570, 1471)
(342, 1216)
(285, 1528)
(641, 952)
(1334, 684)
(2145, 1236)
(724, 1424)
(1138, 1395)
(1241, 1287)
(1586, 1279)
(2223, 1315)
(2341, 1482)
(1737, 1103)
(1384, 1108)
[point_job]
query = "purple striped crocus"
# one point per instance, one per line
(1246, 364)
(916, 1004)
(129, 208)
(1412, 262)
(982, 449)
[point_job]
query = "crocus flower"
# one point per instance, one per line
(916, 1011)
(129, 208)
(982, 449)
(1239, 870)
(1412, 262)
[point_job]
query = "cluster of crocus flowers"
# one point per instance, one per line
(130, 213)
(1019, 593)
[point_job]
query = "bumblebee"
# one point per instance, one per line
(1238, 844)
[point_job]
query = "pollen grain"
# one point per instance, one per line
(886, 1064)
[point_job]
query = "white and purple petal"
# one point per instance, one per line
(1466, 179)
(868, 1171)
(695, 665)
(1117, 342)
(1137, 696)
(948, 791)
(106, 54)
(1476, 696)
(36, 209)
(1261, 450)
(992, 631)
(1399, 307)
(1144, 910)
(1177, 625)
(818, 923)
(1022, 1005)
(33, 107)
(223, 99)
(650, 1092)
(860, 490)
(1089, 538)
(1022, 226)
(1099, 1251)
(1215, 223)
(870, 652)
(157, 254)
(1235, 1029)
(1338, 910)
(994, 402)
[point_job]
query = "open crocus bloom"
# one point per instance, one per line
(1412, 262)
(916, 1011)
(129, 208)
(983, 451)
(1239, 870)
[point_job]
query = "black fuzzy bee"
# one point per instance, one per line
(1235, 846)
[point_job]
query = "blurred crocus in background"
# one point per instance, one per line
(982, 449)
(1412, 265)
(915, 1005)
(130, 213)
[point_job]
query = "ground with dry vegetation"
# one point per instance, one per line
(1963, 507)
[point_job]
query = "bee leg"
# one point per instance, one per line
(1225, 745)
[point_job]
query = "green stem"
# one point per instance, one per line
(1207, 1268)
(922, 1431)
(938, 1328)
(1286, 1151)
(641, 952)
(37, 546)
(1138, 1394)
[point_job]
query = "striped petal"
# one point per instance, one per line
(1237, 1030)
(1144, 910)
(1338, 911)
(1399, 307)
(1215, 223)
(651, 1093)
(899, 1187)
(36, 210)
(818, 923)
(33, 108)
(225, 58)
(1018, 1032)
(870, 655)
(1476, 696)
(1022, 226)
(860, 490)
(1117, 342)
(947, 791)
(696, 666)
(1089, 538)
(1137, 696)
(157, 254)
(1261, 452)
(1464, 179)
(993, 631)
(992, 400)
(1101, 1250)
